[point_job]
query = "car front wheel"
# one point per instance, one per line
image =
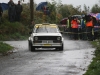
(31, 48)
(61, 48)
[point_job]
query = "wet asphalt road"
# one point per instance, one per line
(73, 60)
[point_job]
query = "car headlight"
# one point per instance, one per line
(35, 38)
(59, 38)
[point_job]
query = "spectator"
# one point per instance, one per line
(74, 25)
(79, 28)
(19, 9)
(89, 27)
(1, 11)
(83, 24)
(68, 26)
(9, 4)
(12, 12)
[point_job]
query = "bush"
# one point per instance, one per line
(8, 28)
(15, 30)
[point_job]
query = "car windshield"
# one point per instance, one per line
(46, 29)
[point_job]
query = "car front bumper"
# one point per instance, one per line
(47, 45)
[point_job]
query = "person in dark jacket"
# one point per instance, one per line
(19, 9)
(83, 24)
(10, 2)
(12, 12)
(1, 11)
(9, 8)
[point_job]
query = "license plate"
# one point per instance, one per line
(47, 45)
(46, 41)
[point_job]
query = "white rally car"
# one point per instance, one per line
(45, 36)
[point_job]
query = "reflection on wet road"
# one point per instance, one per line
(73, 60)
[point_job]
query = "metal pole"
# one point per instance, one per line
(32, 10)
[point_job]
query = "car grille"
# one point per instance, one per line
(45, 41)
(57, 41)
(47, 37)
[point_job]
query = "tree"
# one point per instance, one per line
(95, 9)
(86, 9)
(69, 10)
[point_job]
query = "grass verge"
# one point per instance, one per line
(94, 67)
(13, 31)
(5, 48)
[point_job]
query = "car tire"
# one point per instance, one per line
(61, 48)
(31, 48)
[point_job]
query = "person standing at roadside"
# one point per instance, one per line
(19, 9)
(83, 24)
(1, 11)
(10, 2)
(89, 27)
(12, 12)
(9, 8)
(68, 26)
(79, 29)
(74, 25)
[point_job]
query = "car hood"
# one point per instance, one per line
(47, 34)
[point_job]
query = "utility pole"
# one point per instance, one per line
(32, 10)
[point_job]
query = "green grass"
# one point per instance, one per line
(94, 67)
(5, 48)
(13, 31)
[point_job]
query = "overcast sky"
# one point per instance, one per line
(75, 3)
